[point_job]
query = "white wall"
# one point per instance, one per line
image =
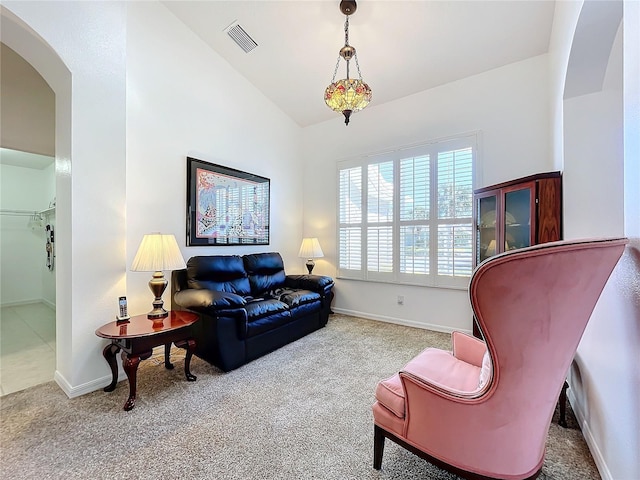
(594, 204)
(604, 379)
(24, 274)
(509, 106)
(185, 100)
(598, 142)
(565, 18)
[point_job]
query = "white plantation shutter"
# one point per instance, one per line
(415, 188)
(454, 250)
(455, 208)
(350, 220)
(380, 249)
(414, 250)
(418, 224)
(350, 248)
(380, 207)
(455, 184)
(415, 211)
(351, 195)
(380, 192)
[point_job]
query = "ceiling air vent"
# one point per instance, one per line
(242, 38)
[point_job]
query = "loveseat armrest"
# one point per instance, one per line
(316, 283)
(193, 298)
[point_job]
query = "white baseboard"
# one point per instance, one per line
(85, 388)
(598, 458)
(49, 304)
(29, 302)
(401, 321)
(21, 303)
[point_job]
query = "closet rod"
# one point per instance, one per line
(29, 213)
(26, 213)
(20, 213)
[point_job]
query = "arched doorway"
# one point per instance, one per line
(27, 225)
(20, 38)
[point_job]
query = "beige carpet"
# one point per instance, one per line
(302, 412)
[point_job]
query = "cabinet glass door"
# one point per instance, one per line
(486, 230)
(517, 218)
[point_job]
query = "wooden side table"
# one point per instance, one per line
(137, 338)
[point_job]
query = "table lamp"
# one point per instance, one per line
(491, 249)
(310, 249)
(158, 252)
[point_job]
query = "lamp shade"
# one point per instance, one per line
(158, 252)
(347, 94)
(310, 248)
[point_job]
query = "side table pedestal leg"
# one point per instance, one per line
(190, 346)
(109, 354)
(130, 365)
(167, 356)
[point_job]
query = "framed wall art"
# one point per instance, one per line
(226, 206)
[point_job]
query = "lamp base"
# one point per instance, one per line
(157, 285)
(157, 313)
(310, 264)
(157, 317)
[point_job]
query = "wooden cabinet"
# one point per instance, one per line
(517, 214)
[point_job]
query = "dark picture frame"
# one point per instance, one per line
(226, 206)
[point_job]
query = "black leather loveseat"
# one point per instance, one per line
(249, 306)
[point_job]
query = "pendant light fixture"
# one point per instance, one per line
(349, 94)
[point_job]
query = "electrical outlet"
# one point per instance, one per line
(400, 299)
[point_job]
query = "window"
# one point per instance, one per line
(406, 216)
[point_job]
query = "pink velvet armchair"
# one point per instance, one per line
(484, 409)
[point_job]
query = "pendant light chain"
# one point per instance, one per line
(346, 40)
(355, 55)
(346, 31)
(358, 66)
(346, 43)
(335, 72)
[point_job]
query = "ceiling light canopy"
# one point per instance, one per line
(349, 94)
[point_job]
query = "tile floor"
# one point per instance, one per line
(27, 346)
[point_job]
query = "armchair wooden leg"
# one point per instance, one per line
(562, 421)
(378, 447)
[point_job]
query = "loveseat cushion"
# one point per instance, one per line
(202, 298)
(265, 314)
(266, 272)
(224, 273)
(294, 298)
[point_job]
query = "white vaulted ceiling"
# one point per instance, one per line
(403, 47)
